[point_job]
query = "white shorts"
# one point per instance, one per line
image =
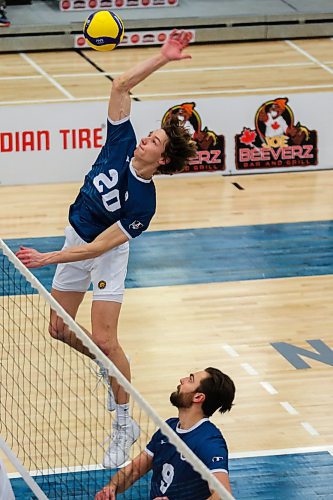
(107, 272)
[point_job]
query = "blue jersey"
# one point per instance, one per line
(112, 192)
(172, 475)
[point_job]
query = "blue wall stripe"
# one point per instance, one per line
(220, 254)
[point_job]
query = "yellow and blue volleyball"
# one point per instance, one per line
(103, 30)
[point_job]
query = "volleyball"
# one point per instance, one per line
(103, 30)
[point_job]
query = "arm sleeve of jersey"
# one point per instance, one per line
(215, 454)
(119, 130)
(151, 446)
(134, 224)
(139, 209)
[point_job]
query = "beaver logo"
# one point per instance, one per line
(101, 284)
(210, 146)
(276, 140)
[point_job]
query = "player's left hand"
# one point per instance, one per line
(177, 41)
(30, 257)
(107, 493)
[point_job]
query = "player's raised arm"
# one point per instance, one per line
(172, 50)
(110, 238)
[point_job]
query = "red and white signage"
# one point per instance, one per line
(237, 135)
(70, 5)
(135, 38)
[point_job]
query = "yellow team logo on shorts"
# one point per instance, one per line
(101, 284)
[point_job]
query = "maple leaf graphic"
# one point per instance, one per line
(248, 136)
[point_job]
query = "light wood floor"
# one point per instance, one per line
(223, 69)
(169, 331)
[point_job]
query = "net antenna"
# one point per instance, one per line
(55, 416)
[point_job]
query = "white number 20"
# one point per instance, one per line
(111, 198)
(168, 473)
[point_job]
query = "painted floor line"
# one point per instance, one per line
(194, 69)
(249, 369)
(268, 387)
(60, 470)
(261, 90)
(242, 454)
(46, 75)
(282, 451)
(309, 56)
(230, 350)
(311, 430)
(173, 70)
(289, 408)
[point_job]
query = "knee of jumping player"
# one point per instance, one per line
(109, 347)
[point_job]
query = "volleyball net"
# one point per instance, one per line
(54, 421)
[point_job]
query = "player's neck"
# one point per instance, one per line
(143, 170)
(188, 419)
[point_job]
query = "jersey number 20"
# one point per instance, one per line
(110, 198)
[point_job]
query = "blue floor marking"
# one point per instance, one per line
(220, 254)
(297, 476)
(287, 477)
(76, 485)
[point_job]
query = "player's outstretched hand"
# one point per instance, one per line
(107, 493)
(30, 257)
(173, 47)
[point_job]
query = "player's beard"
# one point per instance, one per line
(181, 400)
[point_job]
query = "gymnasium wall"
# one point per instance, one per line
(42, 25)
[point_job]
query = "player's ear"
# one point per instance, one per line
(164, 161)
(199, 397)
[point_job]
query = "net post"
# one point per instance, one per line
(20, 468)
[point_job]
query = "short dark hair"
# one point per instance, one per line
(179, 149)
(219, 390)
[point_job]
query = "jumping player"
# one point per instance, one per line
(115, 204)
(197, 397)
